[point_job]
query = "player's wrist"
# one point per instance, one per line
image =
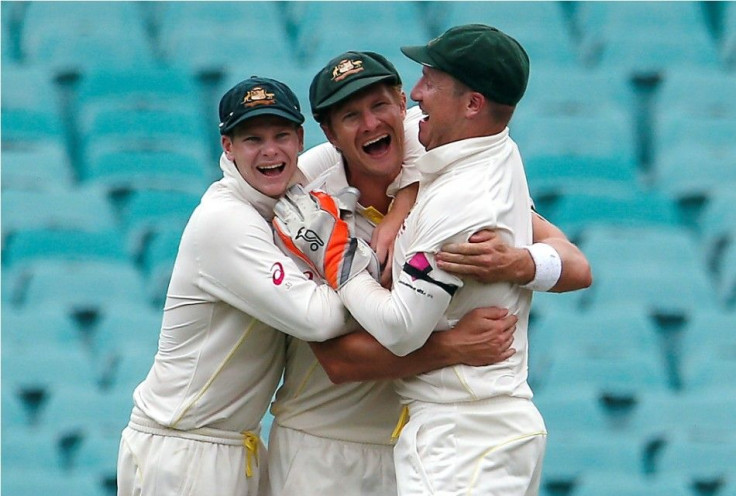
(547, 267)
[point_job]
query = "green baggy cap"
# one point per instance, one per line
(257, 96)
(347, 74)
(482, 57)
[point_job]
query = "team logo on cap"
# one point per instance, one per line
(258, 96)
(345, 68)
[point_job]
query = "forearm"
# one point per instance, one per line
(401, 319)
(576, 273)
(358, 356)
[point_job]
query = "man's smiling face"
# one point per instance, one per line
(368, 129)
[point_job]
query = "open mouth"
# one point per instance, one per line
(272, 170)
(378, 145)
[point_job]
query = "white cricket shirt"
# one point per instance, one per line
(220, 354)
(467, 186)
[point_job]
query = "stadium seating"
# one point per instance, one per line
(50, 324)
(717, 224)
(77, 208)
(727, 282)
(614, 35)
(575, 213)
(713, 328)
(74, 38)
(581, 411)
(612, 483)
(612, 330)
(82, 284)
(34, 481)
(571, 456)
(703, 462)
(38, 166)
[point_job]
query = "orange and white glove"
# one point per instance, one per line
(311, 227)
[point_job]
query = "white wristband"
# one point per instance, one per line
(548, 264)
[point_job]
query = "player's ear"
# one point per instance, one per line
(475, 101)
(329, 134)
(300, 134)
(227, 146)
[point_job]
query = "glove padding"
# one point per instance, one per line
(311, 227)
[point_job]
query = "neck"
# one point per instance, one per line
(372, 189)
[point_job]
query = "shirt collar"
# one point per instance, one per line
(435, 161)
(233, 180)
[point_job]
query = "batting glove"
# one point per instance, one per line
(310, 226)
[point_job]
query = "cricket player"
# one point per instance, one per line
(337, 438)
(195, 424)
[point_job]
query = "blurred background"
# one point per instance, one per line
(628, 133)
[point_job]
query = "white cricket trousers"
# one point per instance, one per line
(156, 461)
(492, 447)
(304, 465)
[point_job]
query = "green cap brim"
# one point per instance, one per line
(418, 54)
(263, 111)
(352, 88)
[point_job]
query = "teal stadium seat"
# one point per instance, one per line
(554, 44)
(125, 323)
(74, 411)
(27, 246)
(143, 130)
(322, 30)
(710, 366)
(131, 365)
(619, 377)
(82, 285)
(709, 328)
(570, 457)
(604, 133)
(77, 208)
(673, 292)
(139, 88)
(196, 38)
(609, 330)
(158, 261)
(72, 38)
(614, 34)
(728, 42)
(33, 375)
(692, 170)
(127, 170)
(148, 211)
(98, 454)
(604, 482)
(580, 412)
(29, 125)
(612, 249)
(717, 224)
(26, 449)
(727, 276)
(36, 166)
(659, 417)
(702, 461)
(35, 481)
(51, 325)
(575, 213)
(16, 417)
(18, 79)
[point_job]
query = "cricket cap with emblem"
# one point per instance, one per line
(483, 58)
(347, 74)
(258, 96)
